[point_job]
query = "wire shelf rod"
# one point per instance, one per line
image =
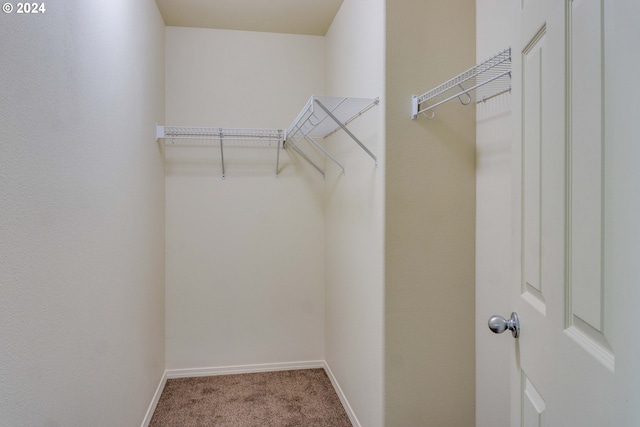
(482, 68)
(494, 74)
(226, 138)
(301, 125)
(347, 131)
(229, 134)
(486, 98)
(197, 136)
(322, 116)
(355, 116)
(430, 107)
(330, 111)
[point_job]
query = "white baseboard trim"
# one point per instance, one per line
(343, 398)
(154, 401)
(246, 369)
(243, 369)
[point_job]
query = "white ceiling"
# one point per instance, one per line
(277, 16)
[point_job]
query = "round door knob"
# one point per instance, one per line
(499, 324)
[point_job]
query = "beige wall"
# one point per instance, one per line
(429, 219)
(82, 208)
(354, 207)
(245, 255)
(493, 221)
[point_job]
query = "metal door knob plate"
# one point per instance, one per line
(499, 324)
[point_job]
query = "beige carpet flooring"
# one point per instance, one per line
(300, 398)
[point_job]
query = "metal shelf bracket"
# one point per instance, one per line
(333, 115)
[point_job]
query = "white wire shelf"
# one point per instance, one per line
(321, 117)
(181, 135)
(213, 136)
(484, 81)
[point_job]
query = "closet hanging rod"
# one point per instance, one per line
(486, 98)
(464, 92)
(494, 75)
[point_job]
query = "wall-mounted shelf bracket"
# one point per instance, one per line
(210, 136)
(487, 80)
(321, 117)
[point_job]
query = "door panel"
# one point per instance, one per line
(533, 405)
(562, 374)
(586, 288)
(531, 168)
(575, 204)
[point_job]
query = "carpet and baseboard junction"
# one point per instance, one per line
(303, 394)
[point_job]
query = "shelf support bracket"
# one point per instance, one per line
(414, 107)
(280, 142)
(326, 153)
(222, 151)
(347, 131)
(304, 156)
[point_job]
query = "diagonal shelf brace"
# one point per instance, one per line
(347, 131)
(304, 156)
(358, 114)
(326, 153)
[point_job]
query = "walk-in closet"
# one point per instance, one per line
(327, 190)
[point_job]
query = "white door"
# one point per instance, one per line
(563, 369)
